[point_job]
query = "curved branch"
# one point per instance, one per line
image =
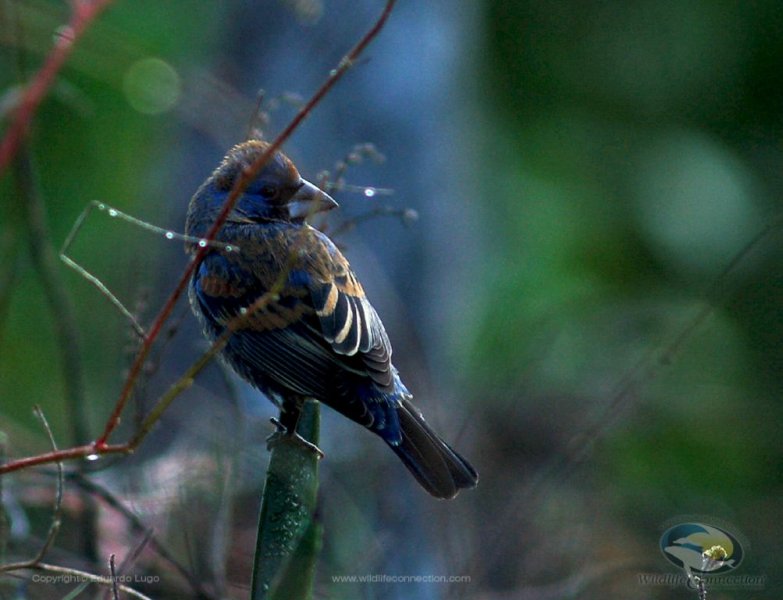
(84, 13)
(239, 187)
(101, 446)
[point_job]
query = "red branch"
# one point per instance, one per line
(60, 455)
(83, 14)
(239, 187)
(101, 445)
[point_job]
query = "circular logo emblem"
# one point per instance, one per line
(701, 548)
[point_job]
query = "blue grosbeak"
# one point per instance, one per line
(308, 330)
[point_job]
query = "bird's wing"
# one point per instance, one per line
(321, 319)
(347, 320)
(274, 341)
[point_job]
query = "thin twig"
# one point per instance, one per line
(115, 593)
(54, 528)
(238, 322)
(85, 576)
(88, 450)
(184, 382)
(89, 276)
(334, 182)
(406, 215)
(58, 299)
(132, 556)
(102, 288)
(101, 445)
(129, 560)
(259, 117)
(355, 156)
(246, 176)
(82, 16)
(137, 525)
(44, 259)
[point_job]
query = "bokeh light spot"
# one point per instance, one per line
(152, 86)
(695, 201)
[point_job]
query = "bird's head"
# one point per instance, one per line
(277, 193)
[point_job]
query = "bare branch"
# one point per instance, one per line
(83, 576)
(91, 487)
(406, 215)
(82, 16)
(115, 592)
(88, 450)
(101, 446)
(102, 288)
(241, 184)
(54, 528)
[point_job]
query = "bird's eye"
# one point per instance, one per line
(269, 191)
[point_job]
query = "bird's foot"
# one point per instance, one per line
(283, 434)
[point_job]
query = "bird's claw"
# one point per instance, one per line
(283, 434)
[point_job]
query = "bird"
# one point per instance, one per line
(301, 324)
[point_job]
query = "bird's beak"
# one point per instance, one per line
(308, 201)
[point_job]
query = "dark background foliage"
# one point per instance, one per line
(583, 172)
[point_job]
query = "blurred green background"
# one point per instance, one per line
(584, 172)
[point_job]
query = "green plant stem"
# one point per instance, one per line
(289, 538)
(46, 264)
(44, 257)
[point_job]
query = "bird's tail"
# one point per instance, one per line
(434, 464)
